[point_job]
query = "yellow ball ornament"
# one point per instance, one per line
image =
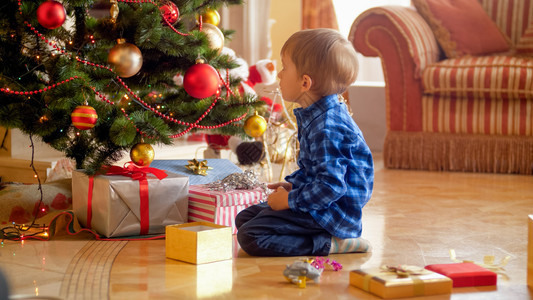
(142, 154)
(211, 16)
(255, 125)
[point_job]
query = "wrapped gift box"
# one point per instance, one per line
(220, 207)
(220, 169)
(530, 252)
(388, 284)
(115, 206)
(465, 274)
(198, 242)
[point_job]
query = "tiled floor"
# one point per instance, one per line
(414, 218)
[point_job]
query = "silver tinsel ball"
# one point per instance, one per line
(247, 180)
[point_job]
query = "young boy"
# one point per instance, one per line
(318, 210)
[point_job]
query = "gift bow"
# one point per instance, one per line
(198, 167)
(402, 271)
(488, 263)
(134, 172)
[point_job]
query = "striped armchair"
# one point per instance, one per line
(471, 113)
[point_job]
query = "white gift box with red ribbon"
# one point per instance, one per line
(130, 202)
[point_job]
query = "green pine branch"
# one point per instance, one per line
(28, 63)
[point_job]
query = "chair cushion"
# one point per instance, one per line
(448, 20)
(525, 44)
(479, 95)
(502, 77)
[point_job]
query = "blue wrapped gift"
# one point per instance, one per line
(220, 169)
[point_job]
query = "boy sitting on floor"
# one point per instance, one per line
(317, 211)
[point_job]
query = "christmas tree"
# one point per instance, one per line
(94, 88)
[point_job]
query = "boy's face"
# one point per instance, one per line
(289, 81)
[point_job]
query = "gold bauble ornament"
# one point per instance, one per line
(142, 154)
(211, 16)
(255, 125)
(126, 58)
(215, 37)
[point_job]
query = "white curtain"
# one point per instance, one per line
(251, 22)
(347, 11)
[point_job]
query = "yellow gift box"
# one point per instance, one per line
(198, 242)
(400, 282)
(530, 252)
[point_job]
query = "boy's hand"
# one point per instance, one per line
(279, 200)
(286, 185)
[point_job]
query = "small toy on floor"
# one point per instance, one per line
(300, 271)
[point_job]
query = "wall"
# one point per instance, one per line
(367, 101)
(287, 17)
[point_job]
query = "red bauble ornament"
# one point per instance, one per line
(201, 81)
(170, 12)
(84, 117)
(51, 14)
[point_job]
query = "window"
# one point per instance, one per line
(347, 11)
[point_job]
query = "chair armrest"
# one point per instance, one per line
(406, 45)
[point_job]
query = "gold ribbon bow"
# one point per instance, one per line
(402, 271)
(198, 167)
(488, 263)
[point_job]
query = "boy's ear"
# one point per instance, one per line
(307, 82)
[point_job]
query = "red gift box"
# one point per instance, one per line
(465, 274)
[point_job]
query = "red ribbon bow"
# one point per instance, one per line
(135, 173)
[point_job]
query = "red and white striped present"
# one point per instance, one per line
(220, 207)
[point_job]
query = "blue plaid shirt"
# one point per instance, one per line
(336, 174)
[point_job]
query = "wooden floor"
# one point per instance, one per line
(413, 218)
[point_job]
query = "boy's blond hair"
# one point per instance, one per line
(325, 56)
